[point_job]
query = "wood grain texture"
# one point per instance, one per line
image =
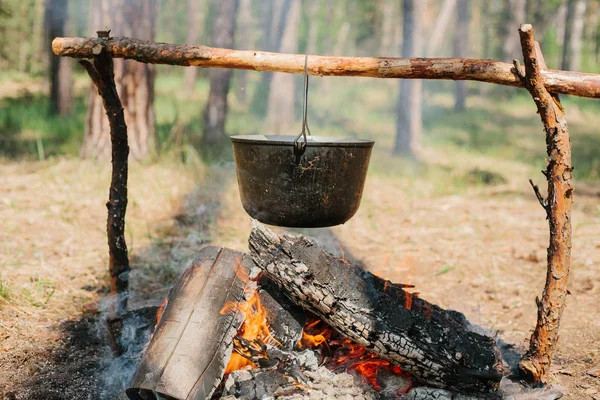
(573, 83)
(435, 345)
(192, 344)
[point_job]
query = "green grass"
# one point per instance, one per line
(4, 291)
(40, 293)
(28, 130)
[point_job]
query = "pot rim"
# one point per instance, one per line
(312, 141)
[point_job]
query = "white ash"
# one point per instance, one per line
(322, 384)
(509, 390)
(307, 359)
(134, 338)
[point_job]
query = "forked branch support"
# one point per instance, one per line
(535, 364)
(490, 71)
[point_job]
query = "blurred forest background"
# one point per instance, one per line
(48, 108)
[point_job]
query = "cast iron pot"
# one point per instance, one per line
(316, 186)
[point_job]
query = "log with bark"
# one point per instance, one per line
(192, 344)
(437, 346)
(574, 83)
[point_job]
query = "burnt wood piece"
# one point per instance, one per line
(288, 362)
(434, 345)
(192, 344)
(101, 71)
(535, 364)
(567, 82)
(286, 320)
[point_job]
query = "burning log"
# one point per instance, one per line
(436, 346)
(286, 320)
(193, 341)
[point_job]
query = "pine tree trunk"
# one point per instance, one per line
(243, 39)
(134, 81)
(440, 27)
(61, 72)
(195, 28)
(461, 42)
(514, 14)
(571, 59)
(223, 35)
(389, 22)
(543, 13)
(275, 13)
(313, 29)
(280, 111)
(408, 109)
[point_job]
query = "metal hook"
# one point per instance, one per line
(300, 146)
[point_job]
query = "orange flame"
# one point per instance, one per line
(315, 334)
(255, 327)
(160, 311)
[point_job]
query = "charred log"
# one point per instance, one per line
(192, 344)
(286, 320)
(435, 345)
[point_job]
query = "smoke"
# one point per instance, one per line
(133, 331)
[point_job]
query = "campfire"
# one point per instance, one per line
(289, 320)
(296, 349)
(255, 343)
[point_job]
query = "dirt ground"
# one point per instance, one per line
(480, 250)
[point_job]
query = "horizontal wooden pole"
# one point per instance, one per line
(490, 71)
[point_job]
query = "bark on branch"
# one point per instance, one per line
(535, 364)
(101, 72)
(573, 83)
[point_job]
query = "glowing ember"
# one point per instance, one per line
(347, 355)
(315, 334)
(351, 356)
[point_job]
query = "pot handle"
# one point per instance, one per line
(300, 146)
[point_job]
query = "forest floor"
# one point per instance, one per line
(480, 251)
(462, 225)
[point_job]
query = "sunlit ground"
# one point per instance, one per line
(461, 224)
